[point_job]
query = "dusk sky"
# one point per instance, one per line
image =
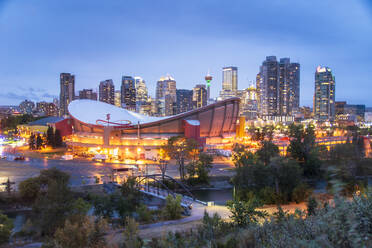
(98, 40)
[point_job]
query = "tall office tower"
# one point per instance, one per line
(324, 94)
(268, 87)
(128, 93)
(67, 93)
(278, 87)
(88, 94)
(184, 101)
(107, 91)
(117, 96)
(199, 96)
(229, 82)
(289, 87)
(142, 98)
(166, 96)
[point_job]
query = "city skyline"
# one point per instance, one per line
(34, 59)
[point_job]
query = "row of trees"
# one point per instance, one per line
(52, 138)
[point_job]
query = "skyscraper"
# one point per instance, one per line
(184, 100)
(87, 94)
(67, 92)
(229, 82)
(166, 96)
(289, 87)
(107, 91)
(128, 93)
(278, 87)
(141, 89)
(324, 94)
(117, 98)
(199, 96)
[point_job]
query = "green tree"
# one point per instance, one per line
(180, 149)
(302, 148)
(88, 233)
(203, 167)
(245, 213)
(172, 209)
(57, 138)
(267, 151)
(50, 137)
(131, 238)
(32, 142)
(312, 205)
(241, 156)
(6, 226)
(29, 189)
(39, 142)
(54, 201)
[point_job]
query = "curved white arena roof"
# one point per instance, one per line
(89, 111)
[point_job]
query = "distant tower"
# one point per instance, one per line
(208, 79)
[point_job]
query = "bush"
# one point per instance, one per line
(144, 213)
(268, 195)
(301, 193)
(6, 226)
(172, 209)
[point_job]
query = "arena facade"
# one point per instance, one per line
(99, 127)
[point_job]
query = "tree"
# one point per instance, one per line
(32, 142)
(88, 233)
(57, 138)
(241, 156)
(54, 200)
(312, 204)
(131, 234)
(29, 189)
(267, 151)
(50, 137)
(203, 166)
(172, 209)
(163, 165)
(39, 142)
(245, 213)
(180, 149)
(6, 226)
(303, 149)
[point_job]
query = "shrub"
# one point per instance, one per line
(300, 193)
(172, 209)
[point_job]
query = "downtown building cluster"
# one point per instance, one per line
(274, 96)
(133, 95)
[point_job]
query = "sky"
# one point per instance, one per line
(97, 40)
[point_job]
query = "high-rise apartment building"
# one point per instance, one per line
(278, 87)
(289, 87)
(324, 94)
(184, 100)
(199, 96)
(27, 107)
(229, 82)
(128, 93)
(88, 94)
(107, 91)
(67, 92)
(166, 96)
(47, 108)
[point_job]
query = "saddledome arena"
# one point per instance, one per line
(98, 127)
